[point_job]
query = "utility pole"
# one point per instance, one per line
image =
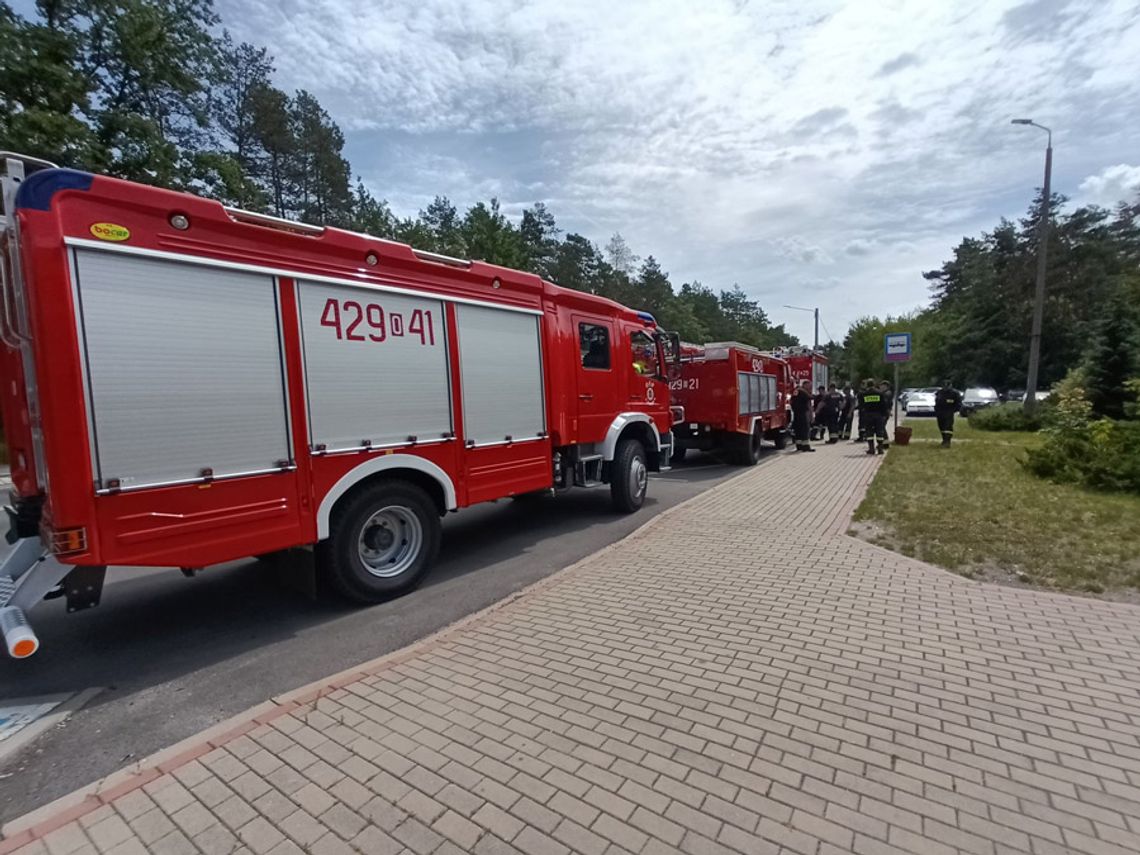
(815, 312)
(1039, 293)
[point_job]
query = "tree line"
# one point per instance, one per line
(976, 329)
(154, 91)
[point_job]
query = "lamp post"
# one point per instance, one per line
(1039, 294)
(816, 313)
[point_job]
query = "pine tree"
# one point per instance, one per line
(490, 237)
(371, 216)
(539, 235)
(273, 134)
(241, 164)
(441, 219)
(43, 93)
(1112, 359)
(153, 63)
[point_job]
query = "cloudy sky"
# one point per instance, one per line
(817, 153)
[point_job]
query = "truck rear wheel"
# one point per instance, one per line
(679, 452)
(755, 447)
(747, 449)
(381, 542)
(781, 440)
(630, 476)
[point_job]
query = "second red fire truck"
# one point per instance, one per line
(734, 396)
(185, 384)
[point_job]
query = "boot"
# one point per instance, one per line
(870, 446)
(945, 441)
(804, 447)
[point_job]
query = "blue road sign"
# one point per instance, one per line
(896, 347)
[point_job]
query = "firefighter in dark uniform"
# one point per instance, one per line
(831, 410)
(947, 402)
(864, 418)
(801, 417)
(847, 415)
(873, 417)
(817, 422)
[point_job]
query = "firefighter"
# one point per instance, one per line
(801, 417)
(847, 414)
(830, 411)
(888, 399)
(817, 423)
(864, 417)
(947, 402)
(873, 417)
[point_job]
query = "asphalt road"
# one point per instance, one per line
(177, 655)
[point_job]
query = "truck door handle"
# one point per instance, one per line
(585, 397)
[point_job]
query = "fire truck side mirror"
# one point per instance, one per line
(672, 347)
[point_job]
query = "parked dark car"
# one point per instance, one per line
(977, 398)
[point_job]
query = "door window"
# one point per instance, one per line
(643, 350)
(594, 343)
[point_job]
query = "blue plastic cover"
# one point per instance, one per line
(37, 189)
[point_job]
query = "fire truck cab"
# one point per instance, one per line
(734, 397)
(185, 384)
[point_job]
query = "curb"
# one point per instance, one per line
(43, 820)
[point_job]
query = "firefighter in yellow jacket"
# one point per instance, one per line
(873, 413)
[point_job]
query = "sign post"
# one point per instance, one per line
(896, 349)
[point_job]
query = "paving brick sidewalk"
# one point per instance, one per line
(737, 676)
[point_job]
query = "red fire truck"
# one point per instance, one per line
(186, 384)
(806, 364)
(734, 396)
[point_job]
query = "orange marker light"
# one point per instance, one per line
(24, 648)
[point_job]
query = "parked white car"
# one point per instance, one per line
(920, 403)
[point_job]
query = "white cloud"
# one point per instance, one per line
(1113, 184)
(734, 141)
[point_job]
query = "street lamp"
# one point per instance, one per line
(816, 313)
(1039, 295)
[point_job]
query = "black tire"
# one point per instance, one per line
(746, 449)
(781, 439)
(755, 447)
(678, 455)
(370, 522)
(629, 476)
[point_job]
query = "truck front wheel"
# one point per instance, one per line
(381, 542)
(630, 476)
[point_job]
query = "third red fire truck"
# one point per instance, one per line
(734, 396)
(805, 364)
(185, 384)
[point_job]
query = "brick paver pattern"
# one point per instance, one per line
(739, 676)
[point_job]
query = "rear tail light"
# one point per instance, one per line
(67, 541)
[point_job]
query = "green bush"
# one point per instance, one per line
(1008, 416)
(1103, 454)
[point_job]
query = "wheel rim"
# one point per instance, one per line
(390, 541)
(639, 477)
